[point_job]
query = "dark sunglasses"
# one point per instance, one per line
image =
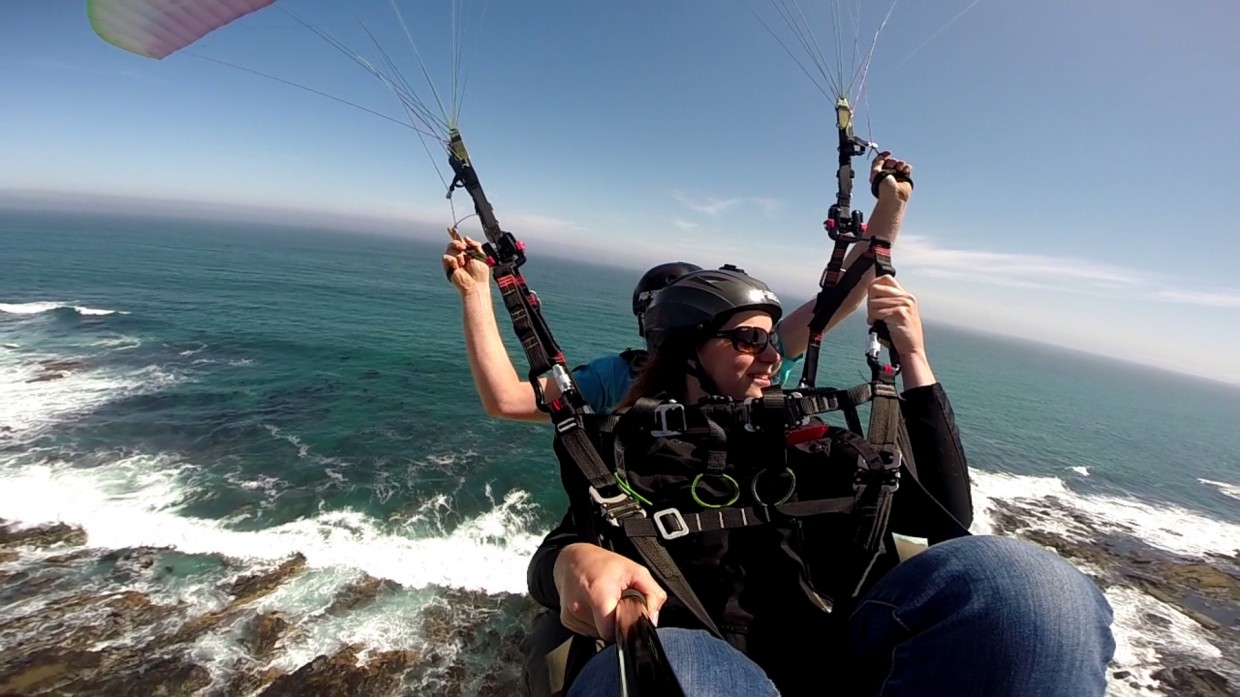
(749, 340)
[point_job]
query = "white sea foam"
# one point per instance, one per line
(1164, 526)
(92, 312)
(137, 501)
(29, 308)
(1140, 645)
(118, 343)
(31, 401)
(36, 308)
(1083, 471)
(1231, 490)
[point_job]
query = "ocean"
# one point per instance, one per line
(198, 403)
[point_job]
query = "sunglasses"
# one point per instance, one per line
(750, 341)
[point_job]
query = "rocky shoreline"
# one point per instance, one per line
(114, 640)
(81, 642)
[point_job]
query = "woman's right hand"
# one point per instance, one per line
(891, 304)
(888, 302)
(590, 581)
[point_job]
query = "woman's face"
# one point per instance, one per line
(740, 359)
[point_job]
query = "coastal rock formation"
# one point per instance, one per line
(108, 638)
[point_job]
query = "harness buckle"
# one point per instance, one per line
(674, 426)
(679, 520)
(615, 508)
(887, 478)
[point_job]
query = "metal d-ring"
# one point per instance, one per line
(736, 492)
(792, 487)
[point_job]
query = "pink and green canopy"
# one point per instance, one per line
(157, 28)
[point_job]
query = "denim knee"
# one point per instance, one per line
(992, 603)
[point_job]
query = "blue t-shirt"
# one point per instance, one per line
(789, 372)
(605, 381)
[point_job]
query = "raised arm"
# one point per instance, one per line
(935, 441)
(503, 392)
(893, 197)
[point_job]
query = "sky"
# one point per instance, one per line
(1075, 162)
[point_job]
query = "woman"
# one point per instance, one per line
(968, 616)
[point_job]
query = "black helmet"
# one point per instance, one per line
(653, 281)
(702, 301)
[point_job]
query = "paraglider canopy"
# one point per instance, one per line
(158, 28)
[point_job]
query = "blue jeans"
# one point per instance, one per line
(977, 615)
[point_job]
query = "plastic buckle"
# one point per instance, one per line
(681, 528)
(670, 427)
(891, 473)
(888, 478)
(747, 408)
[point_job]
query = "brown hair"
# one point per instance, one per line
(661, 374)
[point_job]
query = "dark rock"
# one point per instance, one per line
(1120, 674)
(1192, 681)
(253, 586)
(165, 676)
(78, 622)
(44, 670)
(1160, 589)
(264, 633)
(340, 674)
(244, 590)
(484, 632)
(358, 594)
(61, 364)
(246, 682)
(41, 536)
(1156, 620)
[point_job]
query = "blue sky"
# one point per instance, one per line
(1075, 162)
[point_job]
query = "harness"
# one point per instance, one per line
(725, 493)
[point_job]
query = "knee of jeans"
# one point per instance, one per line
(1022, 580)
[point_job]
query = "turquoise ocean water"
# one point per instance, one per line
(246, 392)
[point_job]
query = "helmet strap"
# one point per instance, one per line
(704, 381)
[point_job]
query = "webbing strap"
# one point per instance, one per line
(834, 290)
(541, 350)
(672, 523)
(876, 492)
(664, 568)
(506, 255)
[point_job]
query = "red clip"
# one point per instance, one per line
(520, 246)
(806, 434)
(828, 224)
